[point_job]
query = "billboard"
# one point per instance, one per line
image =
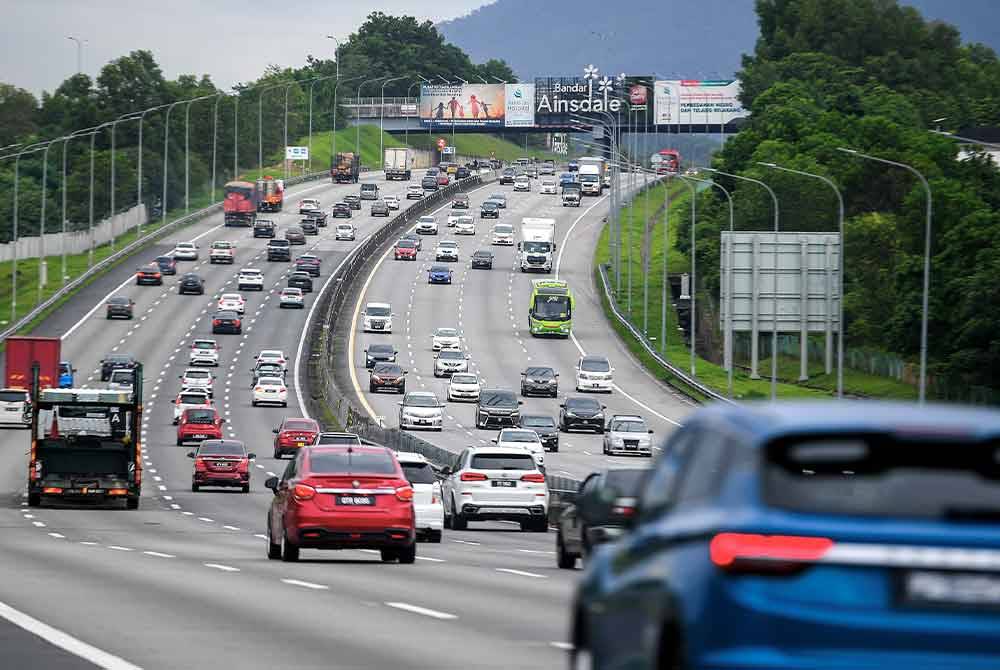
(519, 105)
(296, 153)
(462, 105)
(713, 102)
(557, 98)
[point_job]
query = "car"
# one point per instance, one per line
(447, 250)
(233, 302)
(545, 427)
(507, 176)
(439, 274)
(628, 434)
(227, 321)
(186, 251)
(302, 280)
(121, 380)
(308, 204)
(204, 352)
(416, 239)
(392, 202)
(500, 199)
(294, 235)
(549, 186)
(604, 506)
(114, 362)
(191, 282)
(522, 437)
(462, 172)
(190, 398)
(341, 210)
(197, 378)
(482, 258)
(369, 191)
(489, 210)
(540, 380)
(455, 217)
(426, 225)
(495, 483)
(276, 356)
(497, 407)
(250, 279)
(579, 412)
(427, 507)
(264, 228)
(428, 183)
(262, 370)
(379, 353)
(15, 408)
(446, 338)
(292, 434)
(573, 166)
(309, 227)
(443, 179)
(502, 235)
(522, 183)
(330, 438)
(199, 423)
(366, 503)
(566, 178)
(270, 391)
(167, 265)
(279, 250)
(149, 274)
(450, 361)
(346, 231)
(377, 317)
(353, 201)
(414, 192)
(547, 168)
(387, 376)
(119, 307)
(421, 409)
(463, 386)
(465, 225)
(379, 208)
(222, 251)
(594, 373)
(67, 375)
(292, 298)
(460, 201)
(405, 250)
(309, 263)
(317, 216)
(220, 462)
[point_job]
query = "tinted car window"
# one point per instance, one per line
(418, 473)
(497, 398)
(13, 396)
(200, 416)
(387, 369)
(584, 404)
(192, 398)
(538, 422)
(625, 482)
(406, 244)
(222, 449)
(333, 462)
(299, 425)
(540, 373)
(380, 349)
(594, 365)
(338, 439)
(118, 301)
(520, 436)
(451, 355)
(414, 400)
(503, 462)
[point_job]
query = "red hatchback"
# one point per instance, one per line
(221, 463)
(199, 423)
(293, 434)
(342, 497)
(405, 250)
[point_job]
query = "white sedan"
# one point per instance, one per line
(449, 361)
(446, 338)
(522, 437)
(233, 302)
(466, 225)
(270, 391)
(414, 192)
(421, 409)
(222, 252)
(426, 225)
(186, 251)
(447, 250)
(275, 356)
(307, 204)
(346, 231)
(463, 386)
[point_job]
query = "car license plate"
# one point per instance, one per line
(300, 443)
(923, 588)
(504, 483)
(355, 501)
(223, 464)
(199, 436)
(12, 409)
(507, 510)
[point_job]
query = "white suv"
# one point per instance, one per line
(204, 352)
(594, 373)
(377, 317)
(186, 251)
(15, 408)
(250, 278)
(195, 378)
(427, 505)
(522, 437)
(496, 483)
(307, 204)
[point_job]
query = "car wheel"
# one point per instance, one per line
(194, 488)
(563, 428)
(371, 388)
(246, 488)
(277, 455)
(540, 525)
(434, 536)
(555, 448)
(458, 520)
(289, 550)
(564, 560)
(407, 555)
(132, 502)
(388, 555)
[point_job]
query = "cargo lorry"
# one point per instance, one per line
(398, 163)
(270, 194)
(536, 249)
(346, 168)
(591, 175)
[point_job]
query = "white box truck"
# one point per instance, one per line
(536, 249)
(591, 175)
(398, 163)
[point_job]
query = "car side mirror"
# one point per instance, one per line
(520, 402)
(400, 403)
(524, 374)
(275, 431)
(251, 456)
(563, 405)
(223, 420)
(494, 440)
(406, 372)
(446, 470)
(271, 483)
(191, 454)
(604, 406)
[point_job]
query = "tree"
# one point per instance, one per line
(18, 114)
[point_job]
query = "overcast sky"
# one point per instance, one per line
(230, 40)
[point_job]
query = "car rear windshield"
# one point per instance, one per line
(356, 461)
(278, 243)
(118, 301)
(223, 449)
(292, 424)
(879, 476)
(339, 439)
(13, 396)
(419, 473)
(519, 436)
(193, 399)
(200, 415)
(406, 244)
(625, 482)
(503, 462)
(538, 422)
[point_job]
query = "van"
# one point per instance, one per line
(15, 408)
(369, 191)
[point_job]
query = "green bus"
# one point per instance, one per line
(550, 311)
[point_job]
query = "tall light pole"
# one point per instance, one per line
(453, 116)
(138, 198)
(333, 128)
(406, 132)
(333, 138)
(79, 52)
(929, 214)
(260, 126)
(187, 149)
(840, 227)
(311, 87)
(357, 124)
(381, 119)
(130, 116)
(166, 153)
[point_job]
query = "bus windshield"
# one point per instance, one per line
(552, 308)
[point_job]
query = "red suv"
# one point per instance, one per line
(199, 423)
(221, 463)
(293, 434)
(342, 497)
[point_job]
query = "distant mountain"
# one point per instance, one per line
(686, 39)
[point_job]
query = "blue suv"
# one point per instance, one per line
(801, 536)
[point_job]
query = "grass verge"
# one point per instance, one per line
(481, 145)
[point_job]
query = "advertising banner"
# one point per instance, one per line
(462, 105)
(637, 95)
(559, 97)
(692, 101)
(296, 153)
(519, 105)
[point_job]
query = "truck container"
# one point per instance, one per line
(591, 175)
(346, 168)
(398, 163)
(537, 246)
(239, 203)
(23, 352)
(270, 194)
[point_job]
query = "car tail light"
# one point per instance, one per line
(199, 464)
(216, 322)
(258, 389)
(52, 489)
(623, 510)
(473, 477)
(535, 477)
(303, 492)
(404, 493)
(766, 554)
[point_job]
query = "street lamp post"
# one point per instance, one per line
(130, 116)
(311, 86)
(260, 126)
(381, 119)
(406, 132)
(79, 52)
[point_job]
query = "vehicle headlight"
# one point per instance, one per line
(617, 441)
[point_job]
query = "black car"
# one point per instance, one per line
(462, 173)
(604, 505)
(264, 228)
(540, 380)
(301, 280)
(379, 353)
(342, 210)
(279, 250)
(507, 176)
(353, 201)
(294, 235)
(191, 283)
(309, 227)
(316, 215)
(379, 208)
(572, 166)
(497, 407)
(581, 413)
(482, 258)
(387, 376)
(308, 263)
(545, 426)
(429, 183)
(113, 362)
(120, 307)
(149, 274)
(226, 321)
(489, 210)
(167, 265)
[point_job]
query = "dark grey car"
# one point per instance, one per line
(540, 380)
(545, 426)
(604, 504)
(379, 208)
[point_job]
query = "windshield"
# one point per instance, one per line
(378, 311)
(595, 365)
(419, 473)
(503, 229)
(381, 349)
(278, 243)
(426, 219)
(121, 376)
(552, 308)
(299, 424)
(338, 439)
(197, 374)
(628, 426)
(118, 301)
(536, 247)
(489, 204)
(270, 381)
(222, 449)
(503, 462)
(538, 422)
(355, 461)
(201, 344)
(439, 268)
(498, 399)
(406, 244)
(518, 436)
(539, 373)
(421, 401)
(447, 332)
(625, 482)
(583, 405)
(387, 369)
(464, 379)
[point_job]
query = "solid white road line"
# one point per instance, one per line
(307, 585)
(434, 614)
(521, 573)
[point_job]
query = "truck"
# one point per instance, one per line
(666, 161)
(398, 163)
(270, 194)
(590, 179)
(537, 246)
(571, 194)
(239, 203)
(24, 352)
(345, 168)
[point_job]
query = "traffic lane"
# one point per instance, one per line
(24, 649)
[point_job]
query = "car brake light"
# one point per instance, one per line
(404, 493)
(258, 389)
(52, 489)
(473, 477)
(236, 322)
(199, 464)
(767, 554)
(216, 322)
(303, 492)
(536, 477)
(623, 510)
